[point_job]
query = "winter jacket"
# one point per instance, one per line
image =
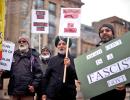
(44, 65)
(24, 72)
(54, 87)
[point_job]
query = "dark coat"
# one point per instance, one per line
(54, 87)
(110, 95)
(44, 65)
(23, 74)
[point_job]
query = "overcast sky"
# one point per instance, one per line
(95, 10)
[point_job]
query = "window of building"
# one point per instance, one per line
(39, 4)
(52, 29)
(52, 7)
(52, 18)
(74, 47)
(24, 7)
(52, 13)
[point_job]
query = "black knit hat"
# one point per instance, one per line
(109, 26)
(58, 38)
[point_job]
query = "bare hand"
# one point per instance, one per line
(44, 97)
(31, 88)
(66, 61)
(1, 71)
(77, 83)
(120, 87)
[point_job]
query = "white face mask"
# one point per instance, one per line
(45, 57)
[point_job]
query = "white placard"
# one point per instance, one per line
(109, 70)
(116, 80)
(40, 21)
(70, 22)
(7, 55)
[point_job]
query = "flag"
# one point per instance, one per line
(2, 23)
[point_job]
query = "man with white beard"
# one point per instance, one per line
(25, 73)
(54, 88)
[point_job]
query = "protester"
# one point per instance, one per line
(25, 73)
(45, 56)
(106, 33)
(54, 88)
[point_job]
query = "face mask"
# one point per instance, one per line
(45, 57)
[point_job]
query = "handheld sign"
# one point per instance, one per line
(40, 22)
(69, 26)
(70, 22)
(101, 69)
(7, 55)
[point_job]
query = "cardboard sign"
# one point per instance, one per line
(101, 69)
(40, 22)
(70, 22)
(7, 55)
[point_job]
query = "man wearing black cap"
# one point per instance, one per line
(54, 88)
(106, 33)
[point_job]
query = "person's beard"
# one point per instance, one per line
(23, 48)
(106, 39)
(61, 51)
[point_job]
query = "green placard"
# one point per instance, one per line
(101, 69)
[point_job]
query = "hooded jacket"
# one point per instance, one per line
(23, 74)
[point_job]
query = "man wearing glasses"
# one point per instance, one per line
(25, 73)
(106, 34)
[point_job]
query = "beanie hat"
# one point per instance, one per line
(58, 38)
(109, 26)
(45, 47)
(26, 38)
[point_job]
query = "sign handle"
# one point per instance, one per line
(65, 66)
(39, 43)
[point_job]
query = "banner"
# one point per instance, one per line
(7, 55)
(103, 68)
(70, 22)
(2, 23)
(40, 22)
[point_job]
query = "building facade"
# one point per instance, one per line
(89, 35)
(18, 19)
(18, 22)
(121, 26)
(89, 38)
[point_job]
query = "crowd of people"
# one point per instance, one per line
(42, 74)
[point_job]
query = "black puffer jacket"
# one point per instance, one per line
(21, 75)
(54, 87)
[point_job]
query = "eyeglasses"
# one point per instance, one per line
(45, 50)
(22, 41)
(106, 30)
